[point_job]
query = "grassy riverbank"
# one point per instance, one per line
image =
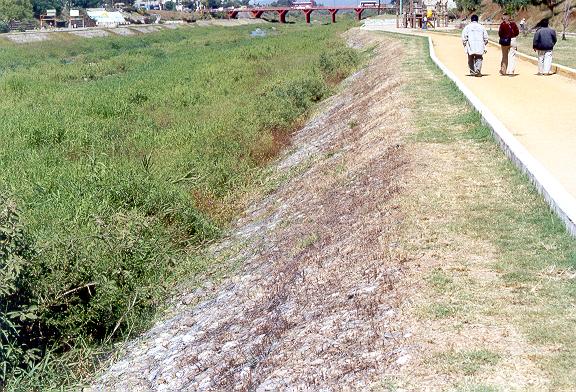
(120, 158)
(494, 268)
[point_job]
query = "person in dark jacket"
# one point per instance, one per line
(508, 32)
(543, 44)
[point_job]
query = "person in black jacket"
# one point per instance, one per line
(544, 41)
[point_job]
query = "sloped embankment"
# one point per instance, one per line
(98, 32)
(315, 302)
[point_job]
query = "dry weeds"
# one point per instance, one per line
(358, 270)
(315, 305)
(458, 309)
(466, 317)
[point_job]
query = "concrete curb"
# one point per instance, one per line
(560, 69)
(560, 201)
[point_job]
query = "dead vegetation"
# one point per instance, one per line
(315, 304)
(394, 255)
(484, 313)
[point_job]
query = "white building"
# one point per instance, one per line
(432, 3)
(156, 4)
(105, 18)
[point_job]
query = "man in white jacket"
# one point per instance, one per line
(475, 38)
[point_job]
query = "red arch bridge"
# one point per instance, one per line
(257, 12)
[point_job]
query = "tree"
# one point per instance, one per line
(15, 10)
(548, 3)
(511, 6)
(566, 17)
(170, 6)
(281, 3)
(468, 5)
(87, 3)
(234, 3)
(40, 6)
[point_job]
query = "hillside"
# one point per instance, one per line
(533, 14)
(121, 157)
(398, 250)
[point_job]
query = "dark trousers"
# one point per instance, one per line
(475, 64)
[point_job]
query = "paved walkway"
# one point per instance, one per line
(539, 111)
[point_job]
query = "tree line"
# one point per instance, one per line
(508, 5)
(21, 10)
(27, 9)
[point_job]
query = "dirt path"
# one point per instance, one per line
(538, 110)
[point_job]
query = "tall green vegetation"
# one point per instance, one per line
(23, 9)
(40, 6)
(122, 156)
(468, 5)
(512, 6)
(15, 10)
(15, 256)
(93, 3)
(170, 6)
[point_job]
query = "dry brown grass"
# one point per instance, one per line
(383, 260)
(315, 303)
(472, 321)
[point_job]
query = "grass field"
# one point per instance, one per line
(120, 158)
(564, 51)
(498, 297)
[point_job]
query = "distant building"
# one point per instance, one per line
(156, 4)
(105, 18)
(431, 4)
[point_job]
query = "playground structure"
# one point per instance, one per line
(48, 19)
(75, 20)
(421, 13)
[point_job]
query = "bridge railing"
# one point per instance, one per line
(257, 12)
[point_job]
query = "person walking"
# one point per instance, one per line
(508, 31)
(474, 39)
(523, 26)
(543, 44)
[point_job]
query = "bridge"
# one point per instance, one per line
(257, 12)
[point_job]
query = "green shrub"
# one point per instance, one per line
(170, 6)
(300, 94)
(16, 312)
(127, 154)
(338, 63)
